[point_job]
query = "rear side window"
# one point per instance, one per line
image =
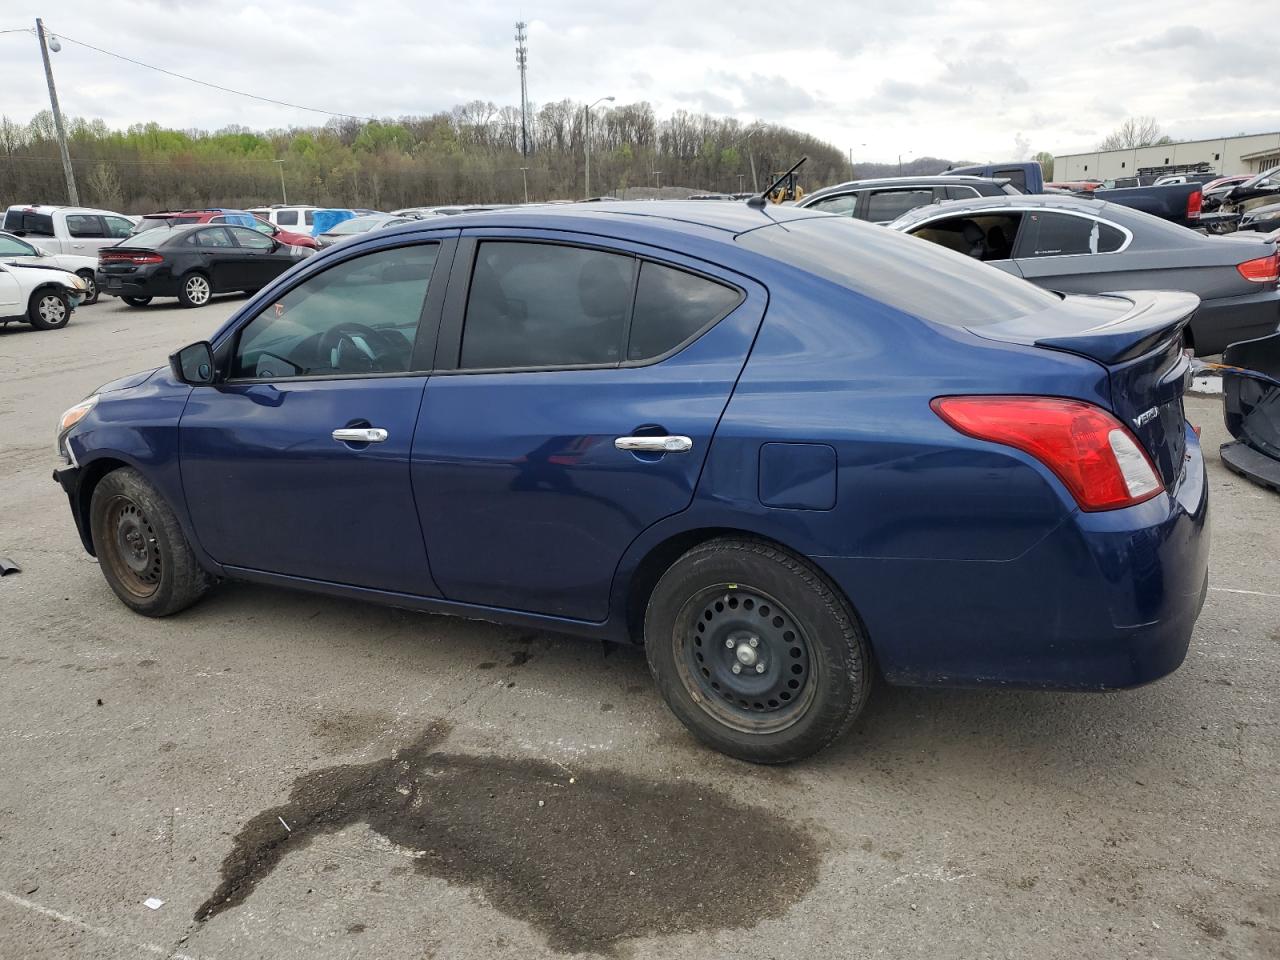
(846, 206)
(921, 279)
(671, 307)
(31, 224)
(118, 226)
(546, 305)
(961, 193)
(891, 204)
(1062, 235)
(287, 218)
(309, 216)
(1015, 175)
(83, 225)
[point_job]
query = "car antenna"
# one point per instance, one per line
(760, 199)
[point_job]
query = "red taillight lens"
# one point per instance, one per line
(123, 257)
(1262, 270)
(1092, 452)
(1194, 202)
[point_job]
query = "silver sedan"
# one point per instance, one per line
(1079, 245)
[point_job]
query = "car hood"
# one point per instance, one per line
(125, 383)
(38, 271)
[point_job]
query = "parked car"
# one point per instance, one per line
(884, 200)
(1176, 202)
(41, 296)
(328, 218)
(177, 218)
(1263, 219)
(1025, 175)
(17, 251)
(290, 237)
(1073, 186)
(358, 225)
(75, 230)
(1200, 178)
(1077, 245)
(445, 211)
(287, 215)
(1215, 190)
(787, 452)
(192, 263)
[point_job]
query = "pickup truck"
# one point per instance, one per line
(77, 230)
(1025, 175)
(1176, 202)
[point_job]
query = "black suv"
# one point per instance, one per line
(886, 199)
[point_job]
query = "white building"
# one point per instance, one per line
(1225, 156)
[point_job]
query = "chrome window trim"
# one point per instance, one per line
(1128, 234)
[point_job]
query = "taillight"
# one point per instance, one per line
(1263, 270)
(1194, 202)
(1089, 450)
(107, 256)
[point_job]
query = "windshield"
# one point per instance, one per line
(358, 225)
(1260, 178)
(915, 276)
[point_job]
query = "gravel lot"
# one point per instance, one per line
(324, 779)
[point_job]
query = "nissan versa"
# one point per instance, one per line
(784, 450)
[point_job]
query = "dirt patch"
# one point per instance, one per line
(349, 731)
(589, 863)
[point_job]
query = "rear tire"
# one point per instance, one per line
(804, 663)
(49, 309)
(136, 301)
(93, 294)
(195, 291)
(141, 548)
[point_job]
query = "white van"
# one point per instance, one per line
(292, 216)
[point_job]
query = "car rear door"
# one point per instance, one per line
(577, 386)
(297, 464)
(1072, 253)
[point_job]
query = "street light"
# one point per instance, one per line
(284, 197)
(900, 156)
(601, 100)
(755, 128)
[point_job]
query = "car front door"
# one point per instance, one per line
(576, 390)
(85, 234)
(261, 258)
(297, 463)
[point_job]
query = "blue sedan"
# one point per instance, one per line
(784, 451)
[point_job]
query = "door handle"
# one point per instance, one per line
(360, 435)
(654, 444)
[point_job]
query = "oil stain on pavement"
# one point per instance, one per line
(607, 857)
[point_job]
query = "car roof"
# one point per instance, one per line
(730, 219)
(1046, 201)
(932, 180)
(47, 208)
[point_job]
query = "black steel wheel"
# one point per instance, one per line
(142, 551)
(91, 295)
(756, 651)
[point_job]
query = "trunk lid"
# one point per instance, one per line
(1137, 337)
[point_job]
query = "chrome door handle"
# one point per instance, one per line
(655, 444)
(360, 435)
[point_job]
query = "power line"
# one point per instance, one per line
(164, 163)
(205, 83)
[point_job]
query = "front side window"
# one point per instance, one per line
(846, 205)
(546, 305)
(671, 307)
(83, 225)
(118, 226)
(287, 218)
(248, 237)
(358, 317)
(13, 247)
(1063, 235)
(887, 205)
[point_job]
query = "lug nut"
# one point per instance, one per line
(736, 668)
(759, 668)
(754, 641)
(729, 643)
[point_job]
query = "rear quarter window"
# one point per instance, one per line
(906, 273)
(673, 306)
(31, 224)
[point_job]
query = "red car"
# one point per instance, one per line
(173, 218)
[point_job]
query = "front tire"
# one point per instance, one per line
(92, 296)
(195, 290)
(803, 662)
(141, 548)
(49, 309)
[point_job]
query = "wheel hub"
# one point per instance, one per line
(745, 655)
(136, 553)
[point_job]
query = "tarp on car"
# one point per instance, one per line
(326, 220)
(240, 218)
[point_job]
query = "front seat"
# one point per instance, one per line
(975, 243)
(998, 245)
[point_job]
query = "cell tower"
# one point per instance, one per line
(522, 63)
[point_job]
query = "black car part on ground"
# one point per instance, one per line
(1251, 408)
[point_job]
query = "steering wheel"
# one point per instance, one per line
(345, 342)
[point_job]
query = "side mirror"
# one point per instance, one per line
(42, 252)
(193, 364)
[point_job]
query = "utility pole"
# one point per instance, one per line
(73, 195)
(522, 64)
(284, 197)
(524, 175)
(587, 141)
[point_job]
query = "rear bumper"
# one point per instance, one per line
(1231, 319)
(1105, 601)
(137, 284)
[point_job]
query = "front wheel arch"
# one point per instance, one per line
(91, 475)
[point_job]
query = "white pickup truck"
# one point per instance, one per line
(77, 230)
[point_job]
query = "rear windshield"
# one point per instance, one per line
(148, 238)
(32, 224)
(358, 225)
(911, 275)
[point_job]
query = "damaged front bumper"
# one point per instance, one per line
(69, 479)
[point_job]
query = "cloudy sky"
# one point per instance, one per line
(951, 79)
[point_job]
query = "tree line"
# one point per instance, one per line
(470, 154)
